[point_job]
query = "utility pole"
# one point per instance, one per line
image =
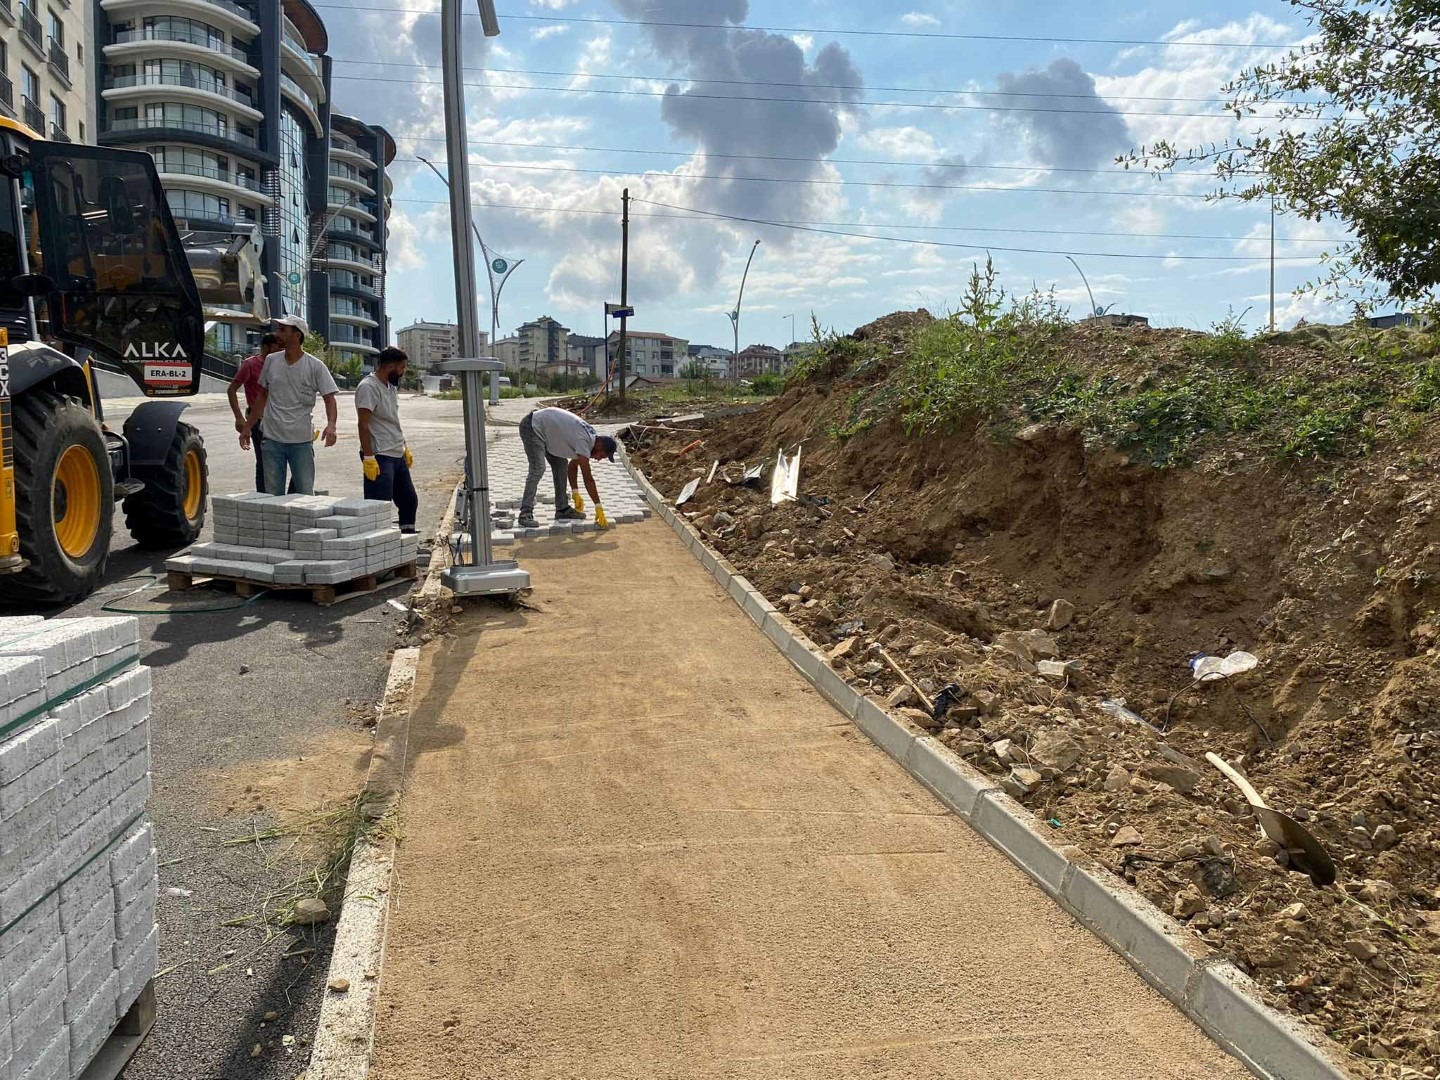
(735, 315)
(1272, 262)
(624, 280)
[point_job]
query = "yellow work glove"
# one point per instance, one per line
(601, 521)
(409, 458)
(372, 468)
(579, 501)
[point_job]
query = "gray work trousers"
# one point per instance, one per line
(559, 467)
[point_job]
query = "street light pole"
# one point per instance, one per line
(482, 574)
(735, 315)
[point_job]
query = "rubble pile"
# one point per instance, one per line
(1052, 598)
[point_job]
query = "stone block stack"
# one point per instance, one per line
(78, 870)
(296, 540)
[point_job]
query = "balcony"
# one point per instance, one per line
(7, 12)
(59, 62)
(7, 95)
(121, 82)
(184, 37)
(298, 51)
(234, 9)
(34, 115)
(30, 31)
(146, 123)
(209, 172)
(57, 133)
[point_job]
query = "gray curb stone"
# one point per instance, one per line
(1213, 993)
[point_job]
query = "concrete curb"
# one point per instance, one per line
(345, 1033)
(1213, 993)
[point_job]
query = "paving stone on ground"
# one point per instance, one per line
(621, 496)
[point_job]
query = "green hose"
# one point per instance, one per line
(116, 607)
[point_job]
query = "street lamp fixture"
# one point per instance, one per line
(488, 18)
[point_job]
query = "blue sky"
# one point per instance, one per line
(999, 144)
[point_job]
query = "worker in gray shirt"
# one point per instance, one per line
(566, 443)
(289, 384)
(385, 458)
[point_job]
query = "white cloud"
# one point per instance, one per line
(540, 33)
(918, 19)
(805, 41)
(553, 5)
(905, 142)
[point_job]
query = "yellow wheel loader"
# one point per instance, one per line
(92, 269)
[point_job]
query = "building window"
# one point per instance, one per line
(57, 112)
(30, 83)
(82, 130)
(128, 113)
(174, 28)
(57, 28)
(4, 59)
(198, 204)
(294, 210)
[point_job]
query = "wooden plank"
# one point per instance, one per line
(320, 594)
(112, 1058)
(178, 581)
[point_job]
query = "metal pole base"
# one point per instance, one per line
(493, 580)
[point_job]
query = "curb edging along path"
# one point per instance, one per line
(345, 1034)
(1206, 987)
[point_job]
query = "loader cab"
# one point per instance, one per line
(86, 235)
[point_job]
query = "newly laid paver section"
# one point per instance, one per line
(621, 496)
(637, 844)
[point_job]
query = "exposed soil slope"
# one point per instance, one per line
(1320, 556)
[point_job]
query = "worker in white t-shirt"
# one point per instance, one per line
(566, 443)
(290, 382)
(385, 457)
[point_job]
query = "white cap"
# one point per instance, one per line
(295, 321)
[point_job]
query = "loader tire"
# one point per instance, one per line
(64, 500)
(170, 511)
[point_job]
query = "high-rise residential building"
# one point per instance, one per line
(507, 351)
(586, 354)
(357, 203)
(46, 65)
(542, 344)
(232, 98)
(429, 343)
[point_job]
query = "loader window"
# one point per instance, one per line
(11, 265)
(110, 245)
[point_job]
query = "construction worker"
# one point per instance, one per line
(247, 377)
(385, 458)
(290, 382)
(566, 443)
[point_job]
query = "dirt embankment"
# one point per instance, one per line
(1044, 572)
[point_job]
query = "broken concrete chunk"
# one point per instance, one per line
(1055, 749)
(1118, 779)
(1363, 951)
(1022, 781)
(310, 911)
(1178, 777)
(844, 649)
(1127, 836)
(1384, 838)
(873, 668)
(1062, 614)
(1004, 751)
(1189, 901)
(1060, 672)
(1297, 912)
(901, 695)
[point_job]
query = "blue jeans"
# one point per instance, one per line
(300, 459)
(394, 485)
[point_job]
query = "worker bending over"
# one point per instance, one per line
(384, 457)
(566, 443)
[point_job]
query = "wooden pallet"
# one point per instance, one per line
(324, 595)
(110, 1062)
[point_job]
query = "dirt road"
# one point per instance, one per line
(637, 844)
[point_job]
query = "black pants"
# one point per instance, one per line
(395, 485)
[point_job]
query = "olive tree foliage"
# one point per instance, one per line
(1352, 132)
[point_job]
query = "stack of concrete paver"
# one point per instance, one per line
(298, 540)
(622, 498)
(78, 871)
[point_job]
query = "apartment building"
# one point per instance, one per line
(430, 343)
(46, 66)
(715, 359)
(761, 360)
(542, 344)
(586, 354)
(652, 354)
(233, 100)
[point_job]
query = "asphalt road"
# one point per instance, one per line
(311, 671)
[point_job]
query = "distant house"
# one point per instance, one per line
(1399, 318)
(761, 360)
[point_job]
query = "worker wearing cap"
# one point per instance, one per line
(289, 384)
(566, 443)
(384, 456)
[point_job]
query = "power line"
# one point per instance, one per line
(887, 225)
(919, 34)
(848, 183)
(828, 160)
(926, 105)
(798, 85)
(950, 244)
